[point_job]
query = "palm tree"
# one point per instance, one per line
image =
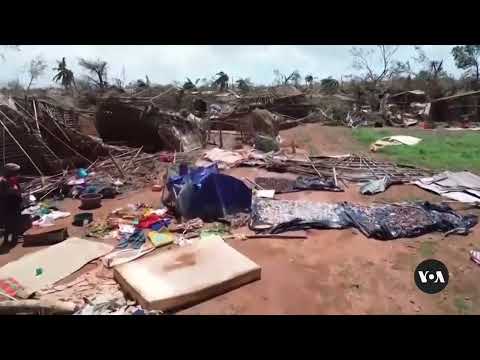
(64, 75)
(244, 84)
(190, 85)
(222, 81)
(329, 84)
(309, 80)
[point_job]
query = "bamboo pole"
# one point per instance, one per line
(36, 117)
(133, 158)
(68, 146)
(116, 165)
(20, 146)
(3, 142)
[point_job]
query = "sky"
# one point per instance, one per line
(166, 63)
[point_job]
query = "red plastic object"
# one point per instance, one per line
(149, 221)
(10, 286)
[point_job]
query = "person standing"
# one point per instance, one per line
(10, 203)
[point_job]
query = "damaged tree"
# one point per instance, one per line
(36, 68)
(64, 75)
(467, 57)
(364, 60)
(97, 67)
(285, 80)
(222, 81)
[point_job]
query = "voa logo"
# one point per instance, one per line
(431, 276)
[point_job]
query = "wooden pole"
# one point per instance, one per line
(3, 142)
(116, 165)
(36, 117)
(313, 166)
(68, 146)
(133, 158)
(20, 146)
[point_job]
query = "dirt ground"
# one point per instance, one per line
(333, 271)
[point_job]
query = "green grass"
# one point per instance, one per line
(437, 152)
(461, 305)
(427, 249)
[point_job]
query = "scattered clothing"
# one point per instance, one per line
(225, 158)
(160, 238)
(49, 219)
(134, 241)
(148, 221)
(375, 186)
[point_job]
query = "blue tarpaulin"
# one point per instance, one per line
(203, 192)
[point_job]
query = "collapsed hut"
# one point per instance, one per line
(42, 137)
(139, 122)
(460, 108)
(284, 100)
(404, 99)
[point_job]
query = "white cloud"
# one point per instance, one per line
(166, 63)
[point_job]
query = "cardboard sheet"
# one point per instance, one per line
(184, 276)
(47, 266)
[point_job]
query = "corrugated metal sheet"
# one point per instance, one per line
(462, 186)
(413, 92)
(458, 96)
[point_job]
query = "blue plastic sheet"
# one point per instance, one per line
(186, 175)
(204, 193)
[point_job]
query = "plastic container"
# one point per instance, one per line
(82, 219)
(90, 201)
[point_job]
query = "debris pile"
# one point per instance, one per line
(383, 222)
(137, 123)
(171, 253)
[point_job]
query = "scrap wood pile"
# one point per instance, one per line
(355, 168)
(123, 168)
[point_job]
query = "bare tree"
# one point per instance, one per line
(98, 68)
(35, 68)
(282, 79)
(366, 60)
